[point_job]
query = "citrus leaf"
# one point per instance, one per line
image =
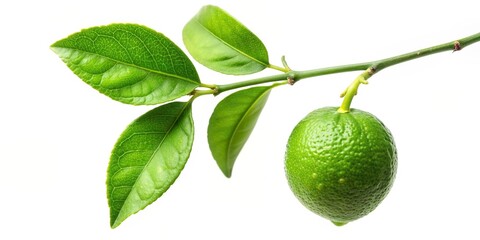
(129, 63)
(147, 158)
(221, 43)
(231, 124)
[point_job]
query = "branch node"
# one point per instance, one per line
(290, 80)
(457, 46)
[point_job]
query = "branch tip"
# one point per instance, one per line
(285, 64)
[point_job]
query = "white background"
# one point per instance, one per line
(56, 132)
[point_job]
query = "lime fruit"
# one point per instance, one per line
(340, 165)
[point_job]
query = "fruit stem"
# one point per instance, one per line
(352, 89)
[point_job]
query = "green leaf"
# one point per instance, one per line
(129, 63)
(232, 122)
(221, 43)
(147, 158)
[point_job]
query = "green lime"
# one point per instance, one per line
(340, 165)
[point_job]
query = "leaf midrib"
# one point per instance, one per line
(240, 122)
(186, 105)
(133, 65)
(232, 47)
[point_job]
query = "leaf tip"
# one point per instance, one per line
(54, 49)
(114, 224)
(115, 221)
(227, 173)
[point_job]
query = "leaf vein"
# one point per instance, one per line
(138, 66)
(170, 128)
(139, 133)
(231, 46)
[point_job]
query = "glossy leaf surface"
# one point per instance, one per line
(232, 122)
(129, 63)
(147, 159)
(218, 41)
